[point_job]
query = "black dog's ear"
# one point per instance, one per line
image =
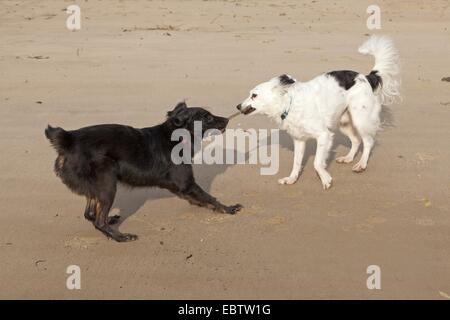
(179, 115)
(180, 106)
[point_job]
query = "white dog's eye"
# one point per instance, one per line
(254, 95)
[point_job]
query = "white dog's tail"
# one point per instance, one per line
(386, 66)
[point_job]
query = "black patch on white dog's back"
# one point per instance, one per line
(374, 79)
(345, 78)
(286, 80)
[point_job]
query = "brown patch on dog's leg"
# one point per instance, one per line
(98, 213)
(89, 212)
(103, 205)
(91, 209)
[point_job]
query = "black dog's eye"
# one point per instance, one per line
(254, 96)
(209, 118)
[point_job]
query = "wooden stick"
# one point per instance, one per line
(234, 115)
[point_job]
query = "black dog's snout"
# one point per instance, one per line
(239, 106)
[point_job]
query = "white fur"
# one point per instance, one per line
(320, 106)
(386, 63)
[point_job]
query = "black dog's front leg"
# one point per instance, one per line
(196, 195)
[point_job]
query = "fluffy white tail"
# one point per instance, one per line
(387, 65)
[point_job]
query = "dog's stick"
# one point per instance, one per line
(234, 115)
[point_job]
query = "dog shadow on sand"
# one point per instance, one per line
(129, 202)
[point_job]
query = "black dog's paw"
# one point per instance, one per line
(125, 237)
(113, 220)
(233, 209)
(116, 235)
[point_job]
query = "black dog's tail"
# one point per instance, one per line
(60, 139)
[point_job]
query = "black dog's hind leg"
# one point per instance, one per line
(196, 195)
(105, 199)
(89, 212)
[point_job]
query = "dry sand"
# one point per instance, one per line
(131, 62)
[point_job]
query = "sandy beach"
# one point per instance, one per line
(132, 61)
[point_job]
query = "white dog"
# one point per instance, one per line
(345, 99)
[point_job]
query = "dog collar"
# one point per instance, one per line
(286, 111)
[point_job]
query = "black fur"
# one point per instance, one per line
(374, 79)
(92, 160)
(285, 80)
(346, 78)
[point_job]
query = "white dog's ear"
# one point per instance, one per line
(286, 80)
(283, 82)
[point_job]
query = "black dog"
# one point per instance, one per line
(92, 160)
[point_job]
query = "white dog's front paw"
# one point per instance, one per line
(359, 167)
(327, 182)
(344, 159)
(287, 180)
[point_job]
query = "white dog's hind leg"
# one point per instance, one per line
(299, 151)
(324, 142)
(368, 142)
(366, 120)
(347, 128)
